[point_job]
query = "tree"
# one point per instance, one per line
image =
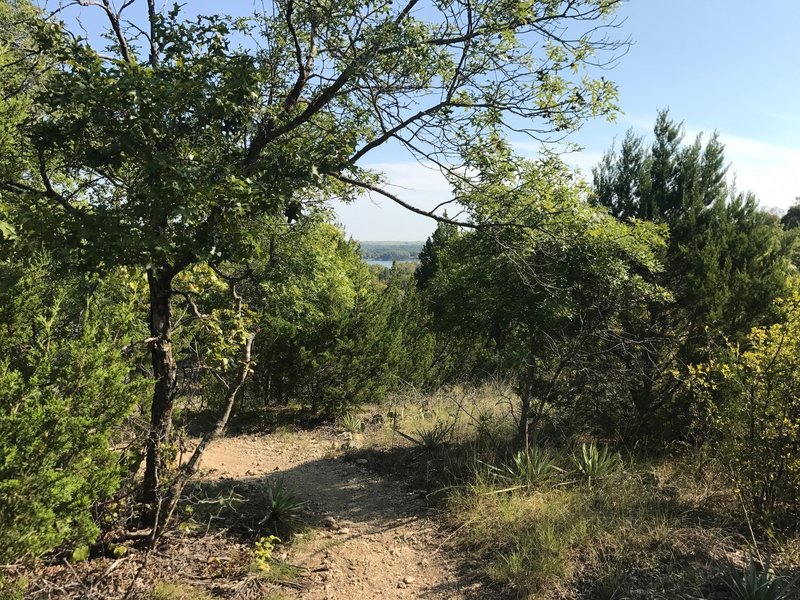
(548, 295)
(333, 335)
(23, 73)
(725, 262)
(748, 407)
(432, 256)
(158, 151)
(791, 220)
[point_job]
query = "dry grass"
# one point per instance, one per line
(655, 529)
(177, 591)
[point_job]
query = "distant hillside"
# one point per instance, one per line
(391, 250)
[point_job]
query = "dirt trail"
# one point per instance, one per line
(384, 544)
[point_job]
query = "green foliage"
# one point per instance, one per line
(538, 304)
(748, 403)
(431, 438)
(351, 423)
(64, 390)
(12, 589)
(532, 467)
(725, 263)
(760, 583)
(262, 552)
(791, 220)
(281, 506)
(334, 338)
(594, 462)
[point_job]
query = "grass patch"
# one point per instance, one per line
(571, 518)
(547, 543)
(177, 591)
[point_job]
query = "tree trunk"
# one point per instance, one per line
(165, 378)
(526, 390)
(190, 468)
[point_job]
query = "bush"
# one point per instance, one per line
(749, 403)
(594, 462)
(282, 507)
(63, 391)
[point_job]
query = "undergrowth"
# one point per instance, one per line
(574, 519)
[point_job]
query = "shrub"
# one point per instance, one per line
(431, 438)
(63, 391)
(351, 423)
(593, 462)
(280, 504)
(749, 405)
(533, 466)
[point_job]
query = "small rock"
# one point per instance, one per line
(330, 523)
(361, 461)
(344, 530)
(401, 585)
(408, 580)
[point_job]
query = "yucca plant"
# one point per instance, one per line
(430, 438)
(351, 423)
(594, 462)
(281, 505)
(533, 466)
(761, 584)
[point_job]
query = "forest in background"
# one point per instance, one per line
(170, 266)
(388, 251)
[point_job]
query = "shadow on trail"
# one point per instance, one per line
(363, 502)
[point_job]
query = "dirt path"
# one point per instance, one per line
(384, 543)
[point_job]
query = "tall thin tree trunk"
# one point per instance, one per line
(527, 388)
(165, 374)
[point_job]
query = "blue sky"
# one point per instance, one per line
(729, 66)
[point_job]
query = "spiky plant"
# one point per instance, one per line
(430, 438)
(594, 462)
(351, 423)
(282, 507)
(533, 466)
(761, 583)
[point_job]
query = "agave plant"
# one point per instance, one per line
(594, 462)
(351, 423)
(761, 584)
(281, 505)
(532, 466)
(430, 438)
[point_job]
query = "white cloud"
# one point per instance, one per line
(770, 171)
(375, 217)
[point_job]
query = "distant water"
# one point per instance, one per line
(383, 263)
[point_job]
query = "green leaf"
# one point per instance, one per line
(80, 554)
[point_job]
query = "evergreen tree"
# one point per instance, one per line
(725, 262)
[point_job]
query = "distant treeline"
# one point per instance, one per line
(390, 250)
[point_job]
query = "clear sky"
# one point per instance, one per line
(729, 66)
